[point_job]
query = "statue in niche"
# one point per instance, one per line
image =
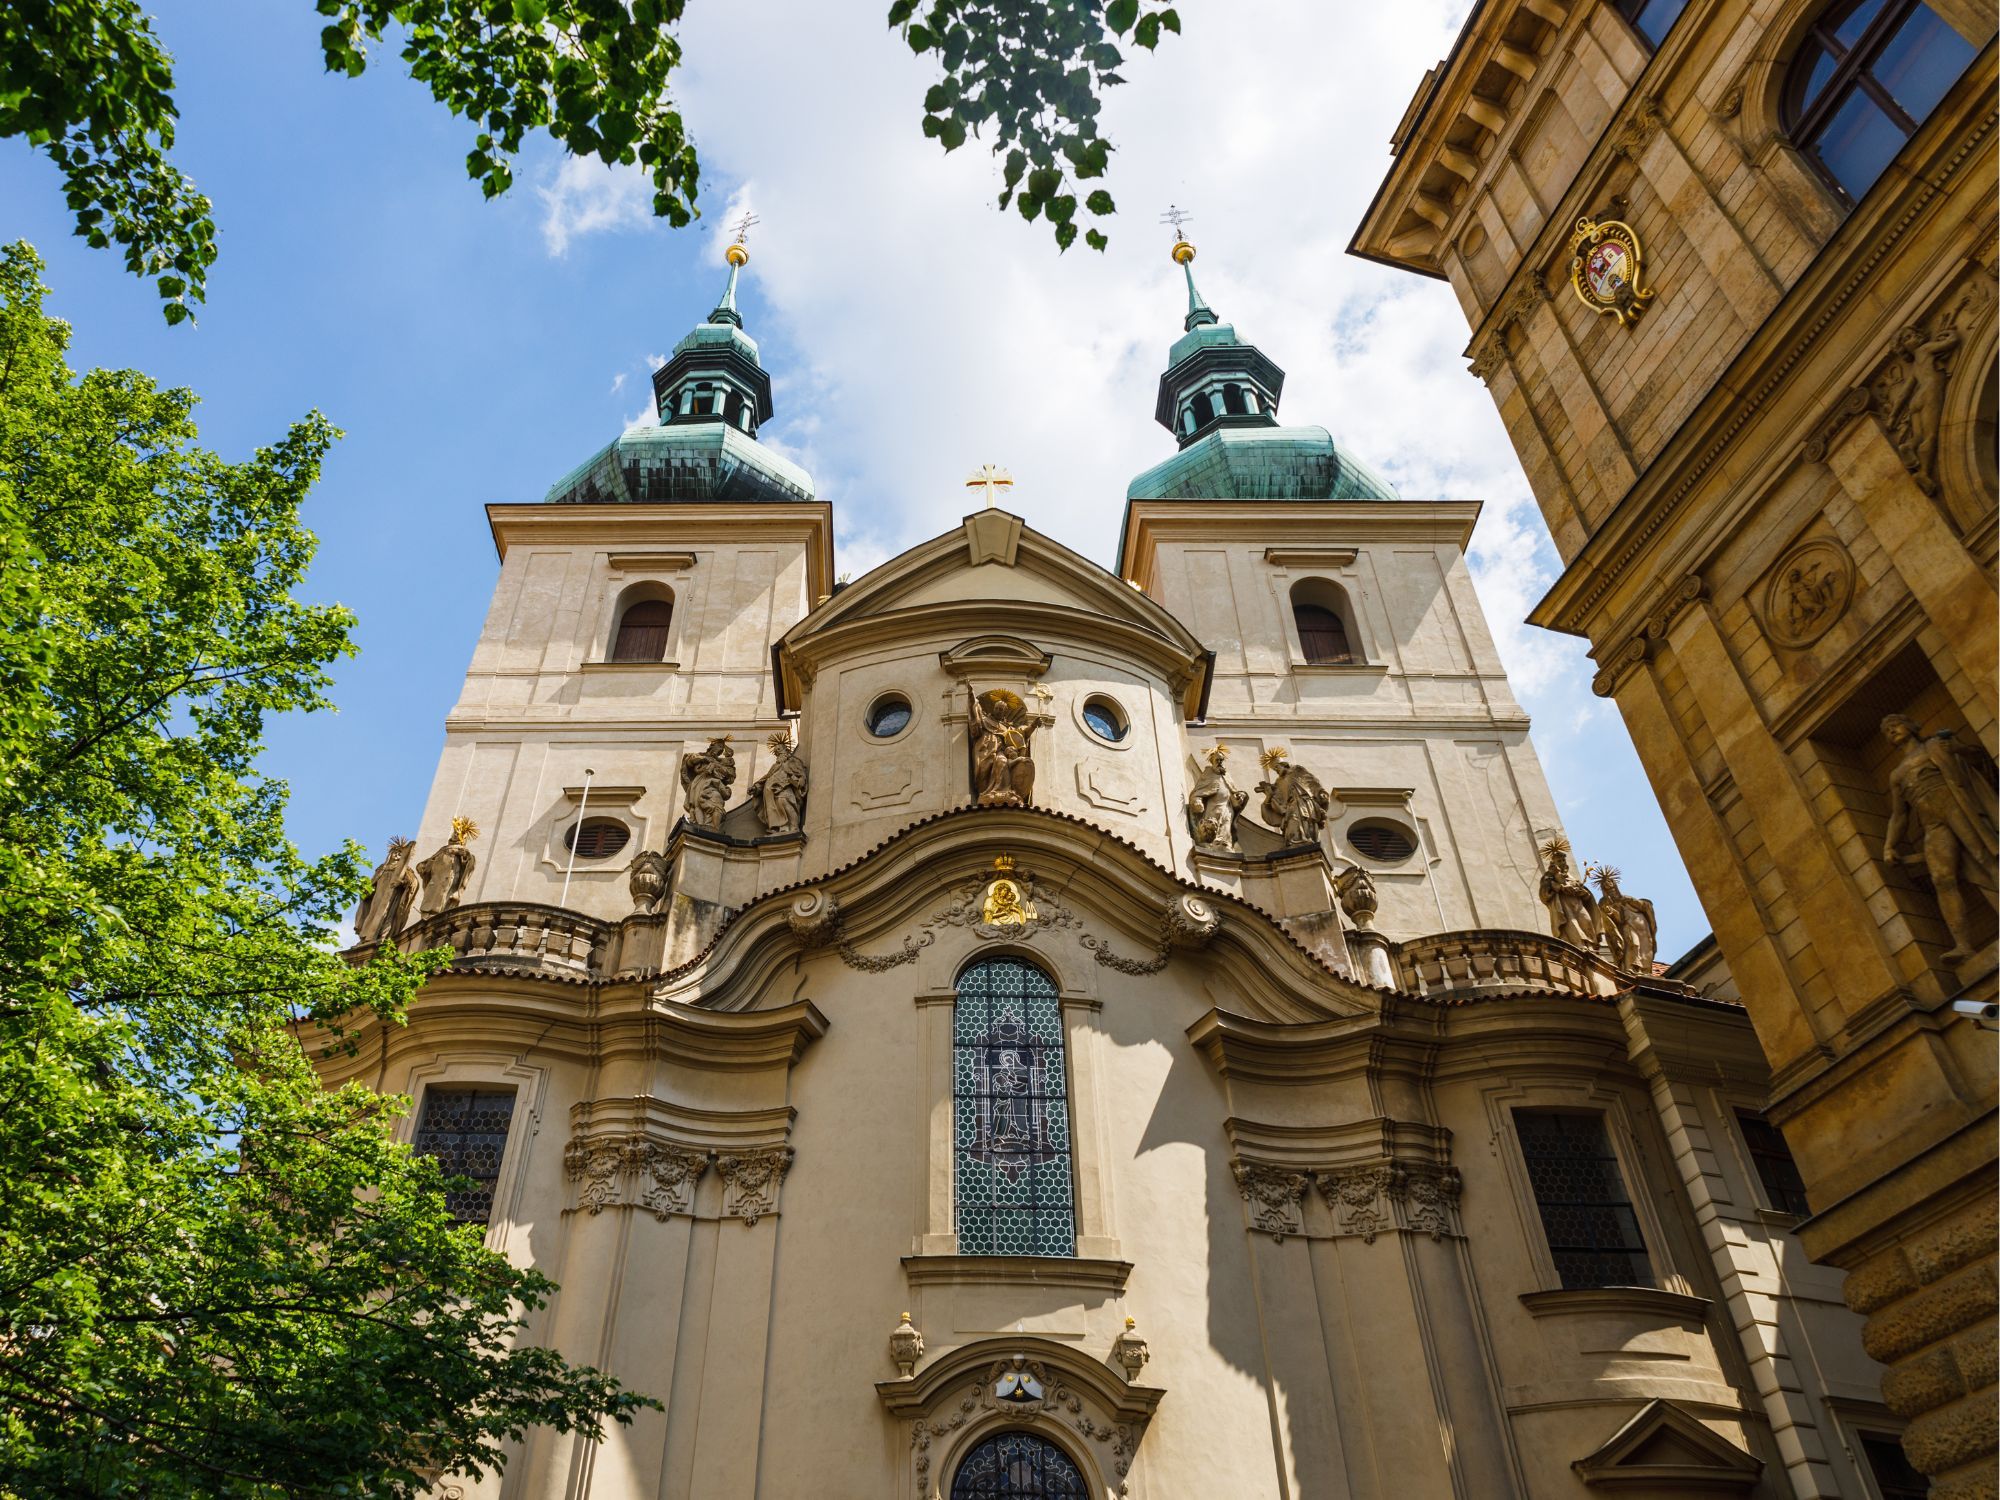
(1294, 801)
(706, 779)
(392, 894)
(1572, 909)
(1915, 396)
(448, 871)
(780, 793)
(1626, 923)
(1941, 794)
(1003, 766)
(1213, 803)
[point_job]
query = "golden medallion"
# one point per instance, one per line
(1606, 269)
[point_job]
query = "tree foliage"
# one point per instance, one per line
(88, 83)
(216, 1278)
(1035, 71)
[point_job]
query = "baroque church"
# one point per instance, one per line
(1011, 1026)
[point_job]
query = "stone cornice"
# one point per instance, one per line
(1794, 330)
(1073, 1273)
(1305, 524)
(682, 526)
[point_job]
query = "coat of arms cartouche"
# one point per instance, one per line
(1605, 268)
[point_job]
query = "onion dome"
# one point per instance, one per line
(1219, 397)
(712, 395)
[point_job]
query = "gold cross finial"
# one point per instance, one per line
(1176, 216)
(993, 479)
(737, 254)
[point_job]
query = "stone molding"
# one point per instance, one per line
(633, 1171)
(1364, 1198)
(1638, 647)
(751, 1180)
(1068, 1272)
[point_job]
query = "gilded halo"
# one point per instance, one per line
(1607, 269)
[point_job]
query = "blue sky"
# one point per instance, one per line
(475, 351)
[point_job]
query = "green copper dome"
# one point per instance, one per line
(712, 394)
(1219, 397)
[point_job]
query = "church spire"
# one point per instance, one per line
(1199, 313)
(738, 256)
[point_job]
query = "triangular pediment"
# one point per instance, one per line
(1666, 1450)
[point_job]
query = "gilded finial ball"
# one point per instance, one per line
(1183, 252)
(737, 254)
(1131, 1322)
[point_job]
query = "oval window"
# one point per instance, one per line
(1383, 841)
(1104, 719)
(888, 716)
(598, 838)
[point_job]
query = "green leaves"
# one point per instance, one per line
(1034, 74)
(219, 1279)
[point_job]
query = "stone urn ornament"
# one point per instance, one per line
(1130, 1350)
(906, 1347)
(648, 881)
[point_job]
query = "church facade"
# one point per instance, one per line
(1729, 269)
(1013, 1027)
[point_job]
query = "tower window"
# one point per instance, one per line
(1010, 1101)
(1382, 841)
(1586, 1213)
(1232, 401)
(1652, 19)
(704, 400)
(1322, 635)
(642, 631)
(598, 838)
(1868, 74)
(1204, 410)
(888, 716)
(465, 1130)
(1784, 1189)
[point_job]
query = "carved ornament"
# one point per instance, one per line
(1909, 390)
(1624, 660)
(633, 1172)
(1357, 1197)
(1850, 406)
(750, 1181)
(647, 881)
(1607, 269)
(906, 1347)
(1274, 1194)
(1809, 591)
(1034, 1391)
(1639, 126)
(1689, 591)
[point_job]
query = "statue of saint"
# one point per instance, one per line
(392, 894)
(706, 780)
(1627, 924)
(1572, 909)
(1916, 402)
(780, 793)
(1213, 803)
(448, 871)
(1005, 906)
(1003, 766)
(1942, 796)
(1294, 801)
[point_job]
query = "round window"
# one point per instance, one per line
(888, 716)
(598, 838)
(1383, 841)
(1104, 719)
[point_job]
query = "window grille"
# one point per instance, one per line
(1592, 1232)
(1868, 74)
(1018, 1466)
(1322, 634)
(1784, 1189)
(1381, 841)
(600, 838)
(642, 631)
(1011, 1114)
(465, 1129)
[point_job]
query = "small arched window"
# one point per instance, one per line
(1018, 1466)
(642, 631)
(1319, 609)
(1204, 410)
(1010, 1093)
(1232, 401)
(1867, 75)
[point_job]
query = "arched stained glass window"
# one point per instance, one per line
(1010, 1102)
(1018, 1466)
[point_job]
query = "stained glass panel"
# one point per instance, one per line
(466, 1130)
(1018, 1466)
(1010, 1100)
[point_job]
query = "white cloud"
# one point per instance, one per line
(618, 382)
(586, 197)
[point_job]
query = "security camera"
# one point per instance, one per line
(1985, 1012)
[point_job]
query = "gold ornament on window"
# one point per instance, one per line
(1607, 269)
(1004, 904)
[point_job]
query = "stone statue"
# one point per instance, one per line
(1213, 803)
(706, 779)
(1294, 801)
(448, 871)
(1941, 795)
(648, 881)
(1003, 766)
(392, 894)
(1916, 400)
(1626, 923)
(1572, 909)
(780, 793)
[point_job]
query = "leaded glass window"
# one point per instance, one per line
(1586, 1214)
(1018, 1466)
(1011, 1111)
(466, 1130)
(1773, 1161)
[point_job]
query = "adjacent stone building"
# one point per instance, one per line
(1008, 1027)
(1729, 266)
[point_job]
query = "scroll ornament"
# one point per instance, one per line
(1607, 269)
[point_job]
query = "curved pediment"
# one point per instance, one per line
(992, 570)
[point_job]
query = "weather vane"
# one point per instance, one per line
(1176, 216)
(992, 480)
(743, 226)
